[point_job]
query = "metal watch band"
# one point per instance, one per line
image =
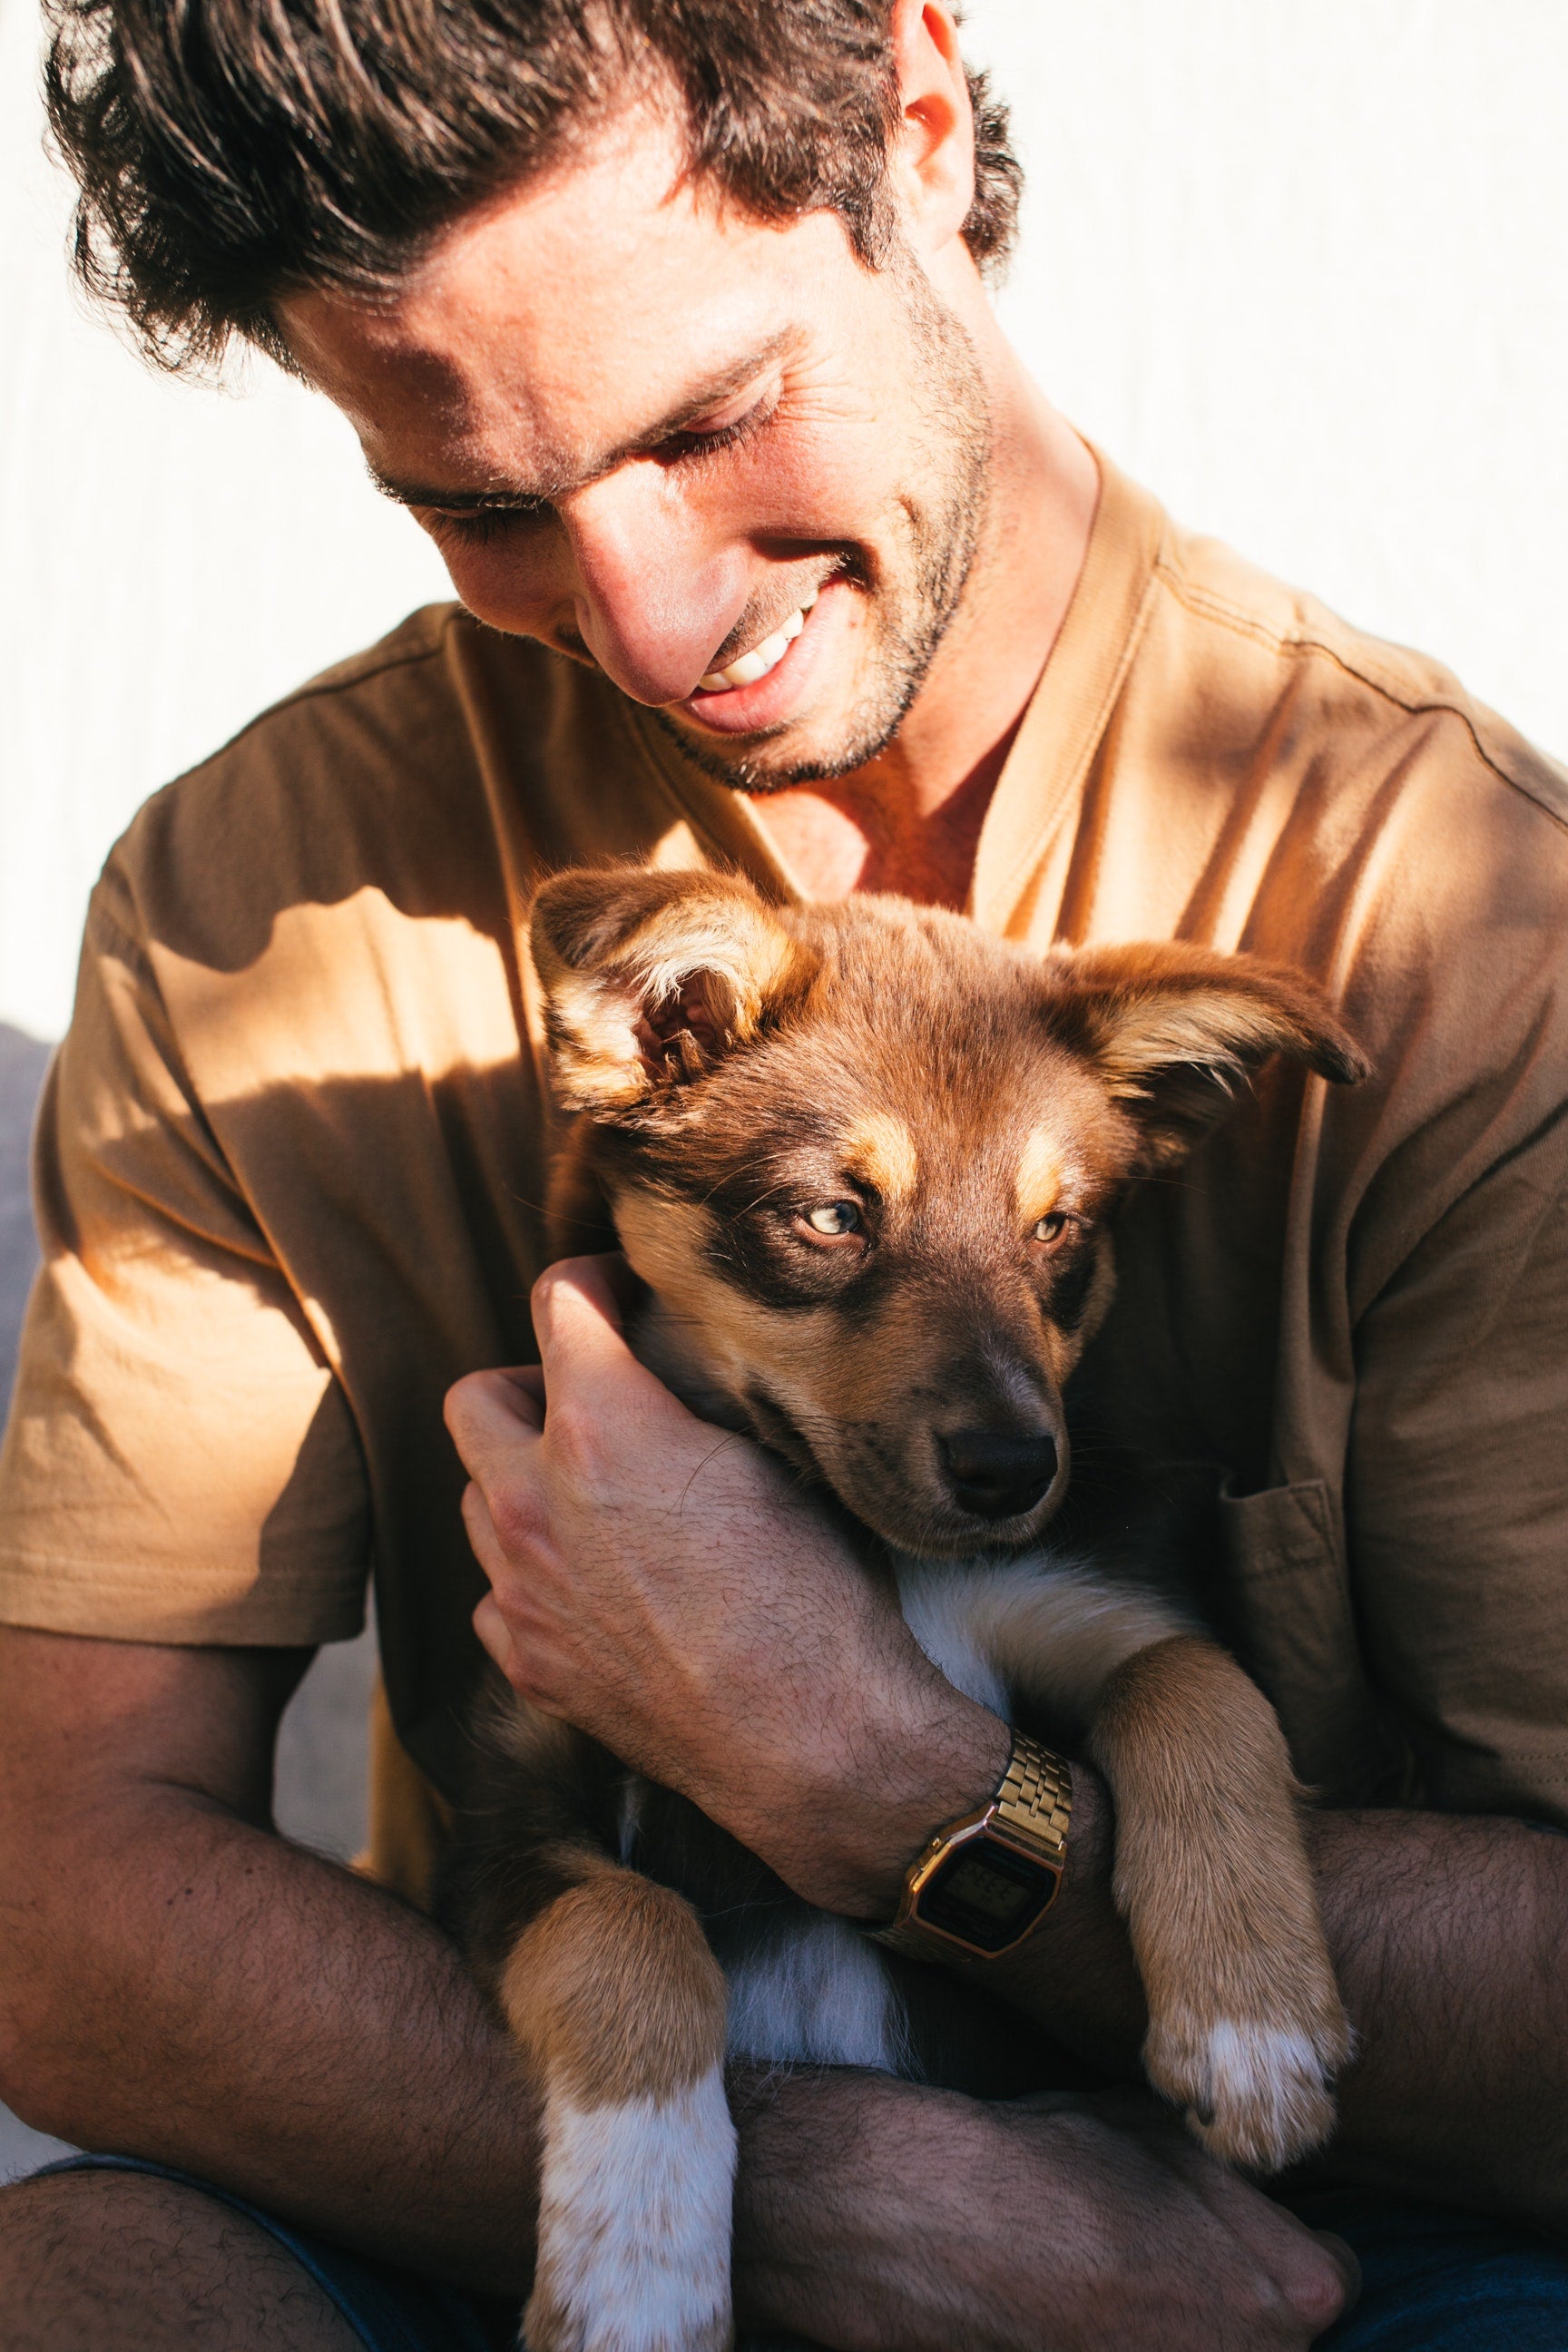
(1030, 1813)
(1034, 1803)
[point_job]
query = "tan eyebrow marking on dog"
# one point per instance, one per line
(1039, 1177)
(880, 1150)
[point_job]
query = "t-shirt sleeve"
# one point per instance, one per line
(180, 1464)
(1458, 1492)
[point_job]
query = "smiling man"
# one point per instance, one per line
(825, 532)
(669, 323)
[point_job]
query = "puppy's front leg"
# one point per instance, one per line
(1246, 2027)
(616, 2000)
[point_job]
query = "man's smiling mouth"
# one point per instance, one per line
(766, 656)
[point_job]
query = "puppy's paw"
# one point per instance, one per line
(1256, 2090)
(634, 2226)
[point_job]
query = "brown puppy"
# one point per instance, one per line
(866, 1160)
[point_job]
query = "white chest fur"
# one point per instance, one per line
(1047, 1631)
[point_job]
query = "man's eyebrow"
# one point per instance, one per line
(711, 393)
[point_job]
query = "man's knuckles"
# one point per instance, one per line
(576, 1440)
(1320, 2280)
(1279, 2289)
(482, 1537)
(516, 1515)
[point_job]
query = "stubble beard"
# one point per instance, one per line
(946, 515)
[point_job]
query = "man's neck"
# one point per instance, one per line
(909, 821)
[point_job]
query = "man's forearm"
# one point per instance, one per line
(234, 2006)
(193, 1989)
(239, 2009)
(1447, 1934)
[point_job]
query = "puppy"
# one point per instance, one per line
(866, 1162)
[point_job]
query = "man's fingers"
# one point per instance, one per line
(491, 1414)
(603, 1277)
(482, 1536)
(1316, 2275)
(491, 1627)
(1348, 2264)
(579, 1308)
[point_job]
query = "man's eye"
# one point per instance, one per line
(1051, 1228)
(834, 1217)
(699, 441)
(476, 526)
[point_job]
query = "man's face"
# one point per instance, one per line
(663, 437)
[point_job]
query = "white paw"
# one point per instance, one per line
(1257, 2095)
(634, 2226)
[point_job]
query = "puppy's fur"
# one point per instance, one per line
(866, 1162)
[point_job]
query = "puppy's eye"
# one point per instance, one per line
(1051, 1229)
(833, 1218)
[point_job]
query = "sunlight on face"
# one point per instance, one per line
(682, 444)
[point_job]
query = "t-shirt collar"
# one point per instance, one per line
(1042, 782)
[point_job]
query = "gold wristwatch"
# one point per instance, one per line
(985, 1882)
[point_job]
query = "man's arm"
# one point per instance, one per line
(1447, 1934)
(182, 1984)
(673, 1597)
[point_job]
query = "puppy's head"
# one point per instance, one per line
(866, 1159)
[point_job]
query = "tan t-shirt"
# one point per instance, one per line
(293, 1152)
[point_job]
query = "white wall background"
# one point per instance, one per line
(1304, 271)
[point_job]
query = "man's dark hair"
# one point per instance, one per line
(232, 151)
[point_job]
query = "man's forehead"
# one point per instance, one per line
(557, 467)
(567, 322)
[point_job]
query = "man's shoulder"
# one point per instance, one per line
(1376, 709)
(387, 723)
(1280, 781)
(391, 664)
(394, 773)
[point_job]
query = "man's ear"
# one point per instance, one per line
(932, 159)
(651, 979)
(1176, 1029)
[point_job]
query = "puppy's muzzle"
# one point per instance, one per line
(998, 1474)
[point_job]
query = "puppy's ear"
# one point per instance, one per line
(651, 979)
(1176, 1029)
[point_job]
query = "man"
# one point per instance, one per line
(668, 323)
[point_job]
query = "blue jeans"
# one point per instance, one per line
(1437, 2280)
(1434, 2280)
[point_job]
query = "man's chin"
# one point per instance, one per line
(785, 757)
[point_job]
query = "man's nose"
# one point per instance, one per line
(654, 596)
(999, 1473)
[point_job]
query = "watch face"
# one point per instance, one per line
(986, 1895)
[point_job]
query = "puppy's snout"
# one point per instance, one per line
(999, 1473)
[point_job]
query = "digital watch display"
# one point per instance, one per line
(982, 1883)
(985, 1895)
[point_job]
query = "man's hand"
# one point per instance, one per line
(661, 1585)
(1083, 2224)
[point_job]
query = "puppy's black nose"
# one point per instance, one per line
(999, 1473)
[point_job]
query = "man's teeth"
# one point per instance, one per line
(762, 658)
